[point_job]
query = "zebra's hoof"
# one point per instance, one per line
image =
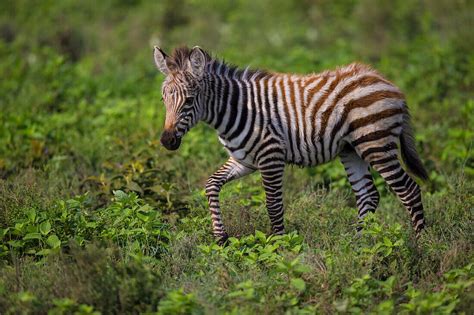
(419, 231)
(223, 240)
(273, 234)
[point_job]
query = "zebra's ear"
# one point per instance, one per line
(160, 60)
(197, 61)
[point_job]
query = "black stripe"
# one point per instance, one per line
(234, 102)
(243, 112)
(224, 98)
(388, 147)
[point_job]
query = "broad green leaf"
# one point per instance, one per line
(53, 241)
(45, 227)
(120, 195)
(260, 236)
(399, 242)
(298, 284)
(135, 187)
(31, 214)
(26, 297)
(16, 243)
(92, 224)
(144, 216)
(32, 236)
(234, 240)
(3, 232)
(302, 268)
(44, 252)
(157, 189)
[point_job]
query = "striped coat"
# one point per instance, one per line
(266, 120)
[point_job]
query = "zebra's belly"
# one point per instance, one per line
(313, 153)
(304, 153)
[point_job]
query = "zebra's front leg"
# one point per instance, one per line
(272, 178)
(231, 170)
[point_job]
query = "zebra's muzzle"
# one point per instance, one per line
(170, 141)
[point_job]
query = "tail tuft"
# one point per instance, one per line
(408, 149)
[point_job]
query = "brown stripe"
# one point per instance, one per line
(374, 136)
(320, 102)
(372, 98)
(327, 113)
(323, 98)
(316, 88)
(311, 128)
(370, 119)
(364, 101)
(364, 81)
(311, 80)
(303, 110)
(383, 149)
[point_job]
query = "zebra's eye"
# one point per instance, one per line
(189, 100)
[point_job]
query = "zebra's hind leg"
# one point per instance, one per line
(229, 171)
(358, 173)
(382, 155)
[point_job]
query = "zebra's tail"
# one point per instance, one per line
(408, 149)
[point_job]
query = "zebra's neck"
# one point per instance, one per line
(225, 98)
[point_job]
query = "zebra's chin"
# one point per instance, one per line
(173, 147)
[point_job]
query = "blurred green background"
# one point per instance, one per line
(80, 117)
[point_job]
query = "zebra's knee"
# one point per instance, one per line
(213, 187)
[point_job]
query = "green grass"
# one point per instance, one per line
(97, 217)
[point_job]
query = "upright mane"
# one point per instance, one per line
(180, 56)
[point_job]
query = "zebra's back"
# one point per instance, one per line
(318, 114)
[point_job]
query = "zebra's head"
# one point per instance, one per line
(184, 71)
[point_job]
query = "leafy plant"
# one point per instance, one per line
(127, 221)
(256, 250)
(177, 302)
(32, 235)
(368, 293)
(443, 301)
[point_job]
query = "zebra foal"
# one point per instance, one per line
(266, 120)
